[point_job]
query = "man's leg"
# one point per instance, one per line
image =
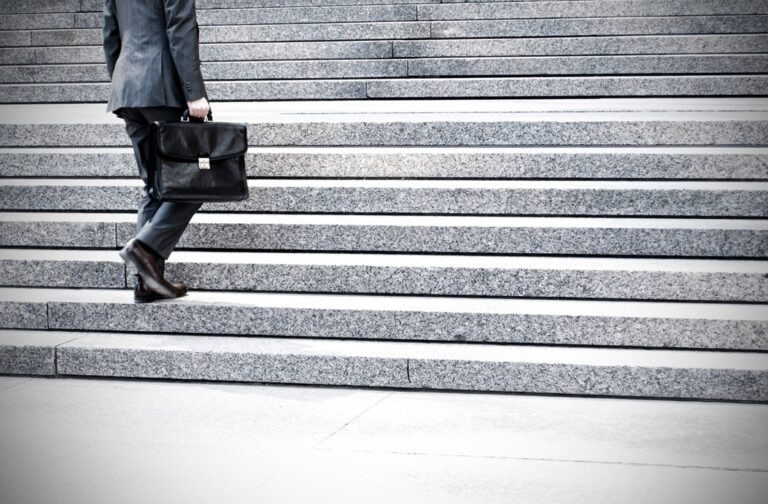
(159, 224)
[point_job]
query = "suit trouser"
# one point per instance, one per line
(159, 224)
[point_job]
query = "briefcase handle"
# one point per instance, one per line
(185, 117)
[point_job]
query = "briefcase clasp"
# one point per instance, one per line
(204, 163)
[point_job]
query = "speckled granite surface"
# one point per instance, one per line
(479, 164)
(353, 13)
(23, 315)
(306, 31)
(219, 318)
(17, 56)
(30, 353)
(237, 70)
(69, 198)
(15, 38)
(457, 281)
(697, 44)
(597, 8)
(421, 29)
(286, 90)
(681, 85)
(509, 132)
(297, 50)
(491, 240)
(290, 68)
(244, 360)
(52, 273)
(39, 6)
(574, 65)
(36, 21)
(58, 234)
(652, 25)
(66, 37)
(64, 135)
(80, 164)
(730, 384)
(397, 365)
(435, 201)
(421, 87)
(492, 201)
(434, 164)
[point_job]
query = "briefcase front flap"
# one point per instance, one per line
(191, 141)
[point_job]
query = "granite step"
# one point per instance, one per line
(434, 275)
(205, 17)
(506, 28)
(39, 6)
(589, 9)
(31, 6)
(431, 197)
(601, 323)
(429, 88)
(594, 27)
(498, 47)
(351, 127)
(423, 30)
(319, 50)
(627, 163)
(573, 65)
(453, 11)
(574, 46)
(547, 87)
(420, 67)
(245, 70)
(630, 237)
(520, 369)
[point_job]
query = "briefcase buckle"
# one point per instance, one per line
(204, 163)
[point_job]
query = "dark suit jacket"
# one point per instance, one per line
(152, 53)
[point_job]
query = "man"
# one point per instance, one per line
(152, 54)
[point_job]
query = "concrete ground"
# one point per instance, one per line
(100, 441)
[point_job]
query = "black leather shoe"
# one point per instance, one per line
(148, 265)
(143, 294)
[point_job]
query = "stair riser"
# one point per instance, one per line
(38, 6)
(433, 201)
(532, 87)
(59, 234)
(495, 10)
(426, 30)
(217, 319)
(435, 281)
(22, 315)
(71, 274)
(439, 67)
(434, 164)
(437, 133)
(421, 49)
(426, 374)
(23, 6)
(593, 27)
(415, 239)
(28, 360)
(590, 380)
(489, 87)
(589, 9)
(421, 30)
(374, 365)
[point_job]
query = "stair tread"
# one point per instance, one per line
(609, 357)
(431, 304)
(410, 260)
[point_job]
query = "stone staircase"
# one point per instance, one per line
(410, 225)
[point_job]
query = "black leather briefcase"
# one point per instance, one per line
(197, 161)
